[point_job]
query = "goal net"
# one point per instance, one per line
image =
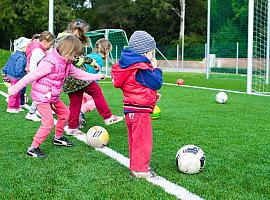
(258, 44)
(228, 30)
(118, 39)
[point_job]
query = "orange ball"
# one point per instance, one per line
(180, 82)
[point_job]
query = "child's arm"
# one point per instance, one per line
(43, 69)
(36, 56)
(82, 75)
(150, 78)
(4, 70)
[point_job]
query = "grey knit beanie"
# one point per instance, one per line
(141, 42)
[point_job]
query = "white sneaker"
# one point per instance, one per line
(145, 175)
(37, 113)
(73, 132)
(12, 110)
(32, 117)
(113, 119)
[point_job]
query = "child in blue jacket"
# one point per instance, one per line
(14, 69)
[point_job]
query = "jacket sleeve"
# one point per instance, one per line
(150, 78)
(44, 69)
(35, 58)
(4, 70)
(82, 75)
(20, 67)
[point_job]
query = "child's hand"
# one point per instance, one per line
(11, 91)
(102, 77)
(158, 96)
(154, 62)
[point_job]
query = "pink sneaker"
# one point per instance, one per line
(113, 119)
(73, 132)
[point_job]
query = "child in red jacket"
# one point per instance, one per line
(139, 78)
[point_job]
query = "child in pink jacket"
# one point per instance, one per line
(48, 79)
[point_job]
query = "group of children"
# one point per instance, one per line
(64, 68)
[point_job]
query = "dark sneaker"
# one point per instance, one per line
(62, 141)
(36, 152)
(82, 121)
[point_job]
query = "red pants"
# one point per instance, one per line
(75, 99)
(47, 121)
(140, 140)
(14, 100)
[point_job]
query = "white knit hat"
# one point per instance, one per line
(141, 42)
(21, 42)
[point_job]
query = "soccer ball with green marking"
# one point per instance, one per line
(221, 97)
(97, 137)
(190, 159)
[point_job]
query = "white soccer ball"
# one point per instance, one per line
(97, 137)
(221, 97)
(190, 159)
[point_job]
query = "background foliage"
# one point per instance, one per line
(158, 17)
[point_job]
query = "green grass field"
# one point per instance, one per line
(234, 136)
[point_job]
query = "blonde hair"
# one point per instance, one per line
(69, 47)
(44, 36)
(102, 46)
(81, 26)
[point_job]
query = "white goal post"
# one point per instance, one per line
(258, 47)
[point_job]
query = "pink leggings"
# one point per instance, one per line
(139, 140)
(14, 100)
(47, 121)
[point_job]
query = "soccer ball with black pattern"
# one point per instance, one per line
(97, 137)
(190, 159)
(221, 97)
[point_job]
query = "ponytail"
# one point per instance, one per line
(45, 35)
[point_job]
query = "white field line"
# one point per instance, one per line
(206, 88)
(215, 89)
(169, 187)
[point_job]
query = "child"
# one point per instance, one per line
(101, 51)
(15, 70)
(35, 52)
(78, 28)
(48, 79)
(139, 78)
(75, 89)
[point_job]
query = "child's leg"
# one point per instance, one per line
(88, 106)
(75, 99)
(14, 100)
(62, 113)
(22, 98)
(102, 107)
(140, 140)
(47, 124)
